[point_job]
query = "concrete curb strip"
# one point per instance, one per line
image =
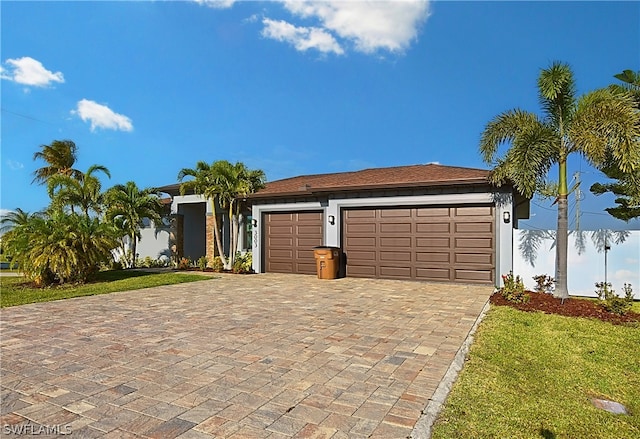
(423, 427)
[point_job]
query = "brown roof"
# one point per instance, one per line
(376, 178)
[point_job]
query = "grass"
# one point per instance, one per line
(14, 292)
(532, 375)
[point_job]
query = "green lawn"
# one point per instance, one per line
(532, 375)
(12, 292)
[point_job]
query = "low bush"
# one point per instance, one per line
(184, 264)
(217, 265)
(544, 283)
(613, 303)
(513, 289)
(202, 263)
(243, 263)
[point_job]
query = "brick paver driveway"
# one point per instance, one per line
(264, 356)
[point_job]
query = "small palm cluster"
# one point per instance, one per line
(78, 232)
(226, 186)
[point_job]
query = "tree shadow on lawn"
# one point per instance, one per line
(114, 275)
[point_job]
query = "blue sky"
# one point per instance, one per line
(147, 88)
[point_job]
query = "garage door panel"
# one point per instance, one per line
(433, 242)
(438, 274)
(355, 256)
(481, 276)
(395, 256)
(433, 211)
(282, 230)
(433, 228)
(280, 242)
(474, 258)
(281, 218)
(308, 243)
(474, 227)
(444, 243)
(361, 242)
(395, 213)
(290, 238)
(433, 257)
(362, 271)
(395, 228)
(360, 214)
(486, 243)
(312, 230)
(395, 242)
(361, 228)
(280, 253)
(395, 272)
(486, 211)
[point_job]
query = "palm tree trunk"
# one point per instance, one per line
(562, 241)
(231, 250)
(216, 234)
(562, 233)
(133, 247)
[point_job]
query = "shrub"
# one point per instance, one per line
(243, 263)
(544, 283)
(513, 289)
(202, 263)
(184, 264)
(610, 301)
(217, 264)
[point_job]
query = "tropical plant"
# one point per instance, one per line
(599, 125)
(228, 186)
(128, 206)
(205, 183)
(243, 263)
(236, 183)
(60, 157)
(513, 289)
(626, 188)
(58, 246)
(84, 192)
(544, 283)
(610, 301)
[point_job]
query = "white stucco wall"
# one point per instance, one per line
(585, 268)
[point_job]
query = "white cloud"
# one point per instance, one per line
(302, 38)
(218, 4)
(370, 25)
(102, 116)
(14, 165)
(28, 71)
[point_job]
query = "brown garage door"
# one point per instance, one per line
(421, 243)
(289, 241)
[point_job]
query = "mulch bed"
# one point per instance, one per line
(571, 307)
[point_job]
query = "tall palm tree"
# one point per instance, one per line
(128, 206)
(236, 182)
(84, 191)
(60, 157)
(598, 125)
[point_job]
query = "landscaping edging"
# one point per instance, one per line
(424, 426)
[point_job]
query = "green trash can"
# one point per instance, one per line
(327, 261)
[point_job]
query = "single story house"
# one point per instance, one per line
(422, 222)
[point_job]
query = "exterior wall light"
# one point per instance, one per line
(506, 217)
(332, 219)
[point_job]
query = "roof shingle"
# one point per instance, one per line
(396, 177)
